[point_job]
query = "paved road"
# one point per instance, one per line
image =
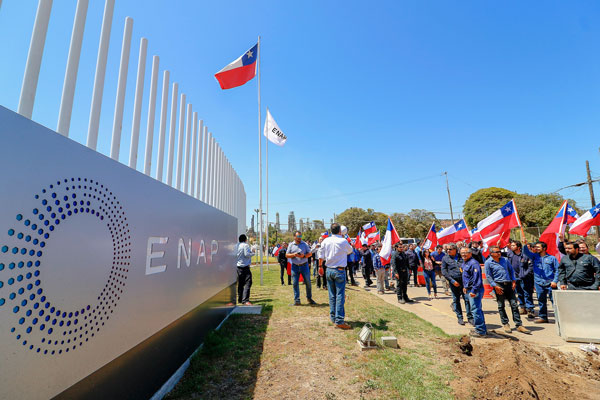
(439, 313)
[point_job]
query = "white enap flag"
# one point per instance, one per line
(272, 131)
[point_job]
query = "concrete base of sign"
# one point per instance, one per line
(369, 345)
(247, 310)
(578, 315)
(389, 341)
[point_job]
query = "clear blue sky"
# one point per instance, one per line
(370, 94)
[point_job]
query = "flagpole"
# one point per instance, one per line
(260, 168)
(267, 192)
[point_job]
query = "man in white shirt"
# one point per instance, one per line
(335, 250)
(244, 259)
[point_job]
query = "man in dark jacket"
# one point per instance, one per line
(413, 262)
(523, 268)
(281, 258)
(452, 271)
(578, 271)
(399, 264)
(366, 264)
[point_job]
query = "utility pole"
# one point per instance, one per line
(449, 199)
(591, 187)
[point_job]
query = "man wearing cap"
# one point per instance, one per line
(335, 250)
(298, 251)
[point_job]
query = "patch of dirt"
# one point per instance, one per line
(506, 369)
(307, 358)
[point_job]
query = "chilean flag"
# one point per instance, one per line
(325, 234)
(586, 221)
(373, 238)
(276, 252)
(475, 235)
(500, 221)
(240, 71)
(565, 215)
(454, 233)
(369, 228)
(391, 238)
(431, 239)
(357, 243)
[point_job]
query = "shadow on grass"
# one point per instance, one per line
(380, 325)
(227, 365)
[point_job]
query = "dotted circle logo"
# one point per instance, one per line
(21, 289)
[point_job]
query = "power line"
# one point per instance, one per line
(358, 192)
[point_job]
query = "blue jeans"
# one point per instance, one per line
(525, 292)
(543, 292)
(296, 271)
(457, 294)
(336, 285)
(477, 311)
(430, 281)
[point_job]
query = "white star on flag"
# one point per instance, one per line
(249, 53)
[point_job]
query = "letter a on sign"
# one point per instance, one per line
(272, 131)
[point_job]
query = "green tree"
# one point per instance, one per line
(483, 202)
(354, 218)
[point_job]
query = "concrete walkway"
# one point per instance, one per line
(439, 313)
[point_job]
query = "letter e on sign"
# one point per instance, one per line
(150, 255)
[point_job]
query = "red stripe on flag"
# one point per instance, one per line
(236, 77)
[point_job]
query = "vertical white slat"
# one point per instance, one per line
(160, 155)
(137, 104)
(209, 168)
(151, 114)
(213, 171)
(180, 142)
(94, 124)
(186, 165)
(204, 163)
(219, 182)
(172, 133)
(193, 157)
(34, 58)
(216, 175)
(115, 146)
(200, 159)
(68, 92)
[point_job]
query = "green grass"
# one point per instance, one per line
(227, 365)
(269, 260)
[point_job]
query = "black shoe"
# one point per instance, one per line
(311, 302)
(401, 301)
(296, 303)
(461, 321)
(471, 322)
(530, 314)
(409, 300)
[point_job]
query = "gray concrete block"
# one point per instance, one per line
(247, 310)
(389, 341)
(578, 315)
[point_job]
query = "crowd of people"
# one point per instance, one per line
(513, 273)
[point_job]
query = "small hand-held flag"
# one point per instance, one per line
(389, 240)
(272, 131)
(240, 71)
(431, 239)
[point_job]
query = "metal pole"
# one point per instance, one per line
(34, 58)
(92, 139)
(172, 134)
(267, 193)
(137, 104)
(449, 199)
(260, 242)
(188, 134)
(121, 86)
(591, 188)
(151, 113)
(160, 156)
(66, 101)
(180, 142)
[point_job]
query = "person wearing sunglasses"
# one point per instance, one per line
(501, 275)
